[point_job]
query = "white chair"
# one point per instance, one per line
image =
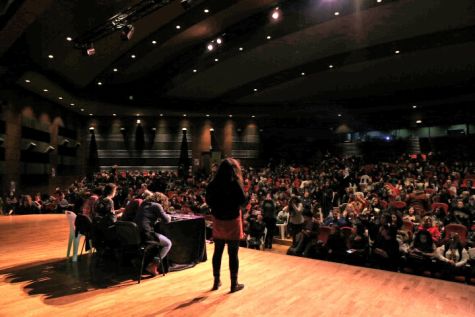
(73, 240)
(282, 229)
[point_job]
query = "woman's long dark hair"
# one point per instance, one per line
(228, 171)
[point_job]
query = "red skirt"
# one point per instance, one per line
(228, 229)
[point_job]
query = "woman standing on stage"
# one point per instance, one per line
(225, 195)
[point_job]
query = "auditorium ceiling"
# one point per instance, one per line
(323, 58)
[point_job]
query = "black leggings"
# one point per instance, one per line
(233, 248)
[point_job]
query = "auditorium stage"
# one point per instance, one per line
(36, 280)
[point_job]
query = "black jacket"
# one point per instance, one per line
(225, 201)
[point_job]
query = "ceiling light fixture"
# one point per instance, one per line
(414, 107)
(276, 14)
(50, 56)
(99, 83)
(45, 90)
(71, 104)
(241, 48)
(330, 66)
(60, 98)
(82, 109)
(115, 70)
(219, 40)
(126, 32)
(27, 81)
(216, 60)
(206, 11)
(194, 70)
(253, 116)
(178, 27)
(210, 47)
(91, 114)
(207, 115)
(255, 89)
(114, 114)
(419, 121)
(268, 37)
(397, 52)
(161, 114)
(337, 13)
(154, 42)
(184, 115)
(302, 73)
(132, 56)
(69, 39)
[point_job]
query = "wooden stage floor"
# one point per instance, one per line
(37, 280)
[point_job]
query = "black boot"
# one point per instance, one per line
(235, 286)
(216, 284)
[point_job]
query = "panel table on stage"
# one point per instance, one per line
(188, 235)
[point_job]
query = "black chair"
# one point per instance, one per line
(128, 236)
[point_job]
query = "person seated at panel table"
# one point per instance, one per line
(150, 211)
(104, 206)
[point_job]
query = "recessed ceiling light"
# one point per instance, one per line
(206, 11)
(268, 37)
(253, 116)
(45, 90)
(115, 70)
(275, 14)
(337, 13)
(219, 40)
(302, 73)
(216, 60)
(241, 48)
(255, 89)
(161, 114)
(69, 39)
(114, 114)
(414, 107)
(154, 42)
(379, 1)
(50, 56)
(397, 52)
(99, 83)
(230, 115)
(207, 115)
(184, 114)
(82, 109)
(91, 114)
(194, 70)
(132, 56)
(178, 27)
(419, 121)
(131, 98)
(138, 114)
(27, 81)
(330, 66)
(210, 47)
(71, 104)
(60, 98)
(339, 114)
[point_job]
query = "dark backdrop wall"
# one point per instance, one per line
(43, 145)
(155, 142)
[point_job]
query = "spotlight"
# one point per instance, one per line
(45, 90)
(207, 115)
(388, 138)
(133, 56)
(230, 115)
(115, 70)
(275, 14)
(60, 98)
(210, 47)
(154, 129)
(131, 98)
(138, 121)
(27, 81)
(161, 114)
(216, 60)
(69, 39)
(337, 13)
(184, 130)
(72, 105)
(211, 130)
(154, 42)
(330, 66)
(99, 83)
(184, 115)
(206, 11)
(114, 114)
(90, 114)
(253, 116)
(255, 89)
(30, 146)
(379, 1)
(339, 115)
(50, 56)
(397, 52)
(268, 37)
(122, 130)
(219, 40)
(241, 49)
(49, 149)
(302, 73)
(127, 32)
(91, 129)
(82, 109)
(419, 121)
(194, 70)
(414, 107)
(89, 50)
(178, 27)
